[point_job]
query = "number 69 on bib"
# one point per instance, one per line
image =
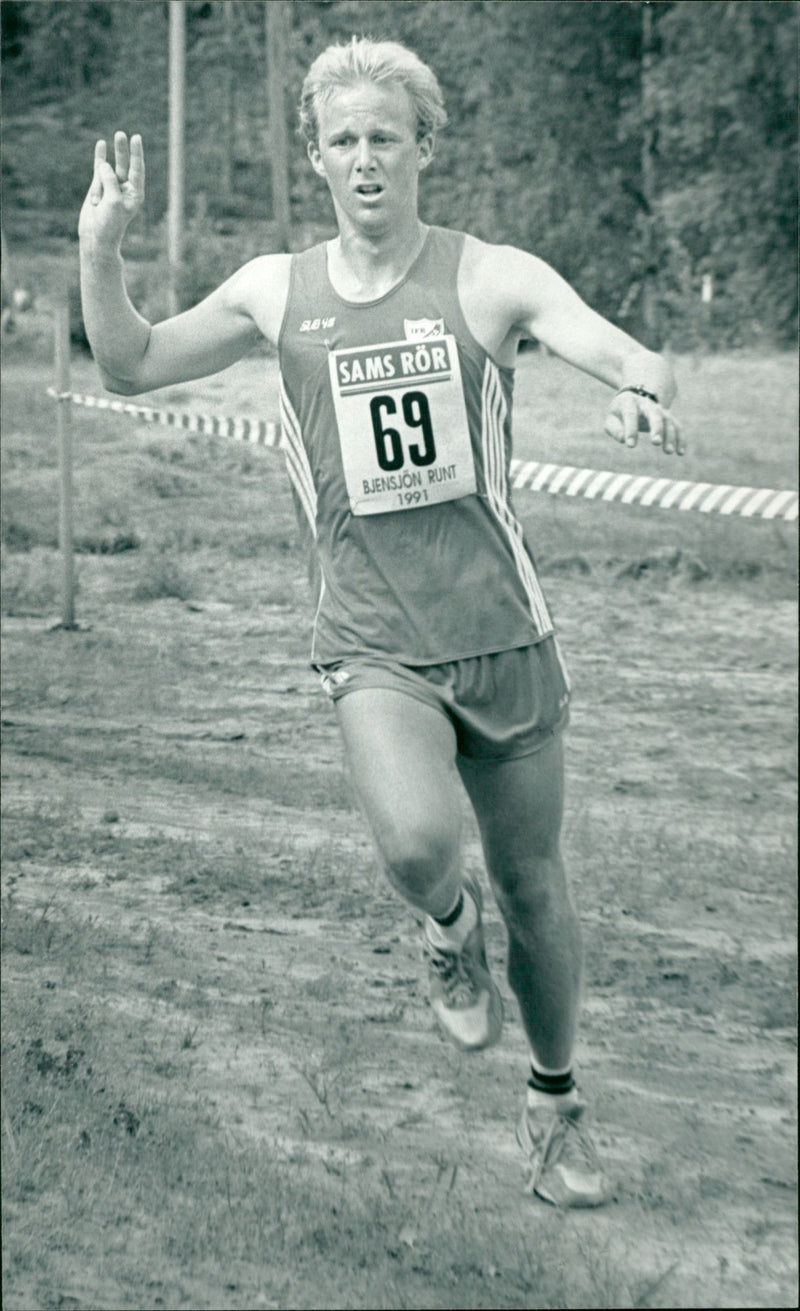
(402, 425)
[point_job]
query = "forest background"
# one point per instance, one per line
(647, 151)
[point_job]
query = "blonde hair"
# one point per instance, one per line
(365, 60)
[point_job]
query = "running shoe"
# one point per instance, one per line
(462, 992)
(560, 1158)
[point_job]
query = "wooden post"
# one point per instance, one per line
(8, 275)
(64, 431)
(276, 28)
(177, 113)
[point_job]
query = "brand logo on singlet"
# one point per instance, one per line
(420, 329)
(313, 325)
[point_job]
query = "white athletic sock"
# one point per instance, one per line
(453, 935)
(537, 1101)
(552, 1071)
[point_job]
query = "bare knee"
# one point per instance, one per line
(534, 892)
(418, 856)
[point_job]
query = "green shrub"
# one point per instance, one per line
(161, 577)
(29, 584)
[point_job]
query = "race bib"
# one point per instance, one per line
(402, 422)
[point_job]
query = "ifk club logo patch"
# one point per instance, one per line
(421, 329)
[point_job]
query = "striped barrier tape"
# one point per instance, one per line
(665, 493)
(588, 484)
(259, 432)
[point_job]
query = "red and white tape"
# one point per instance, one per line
(260, 432)
(566, 480)
(665, 493)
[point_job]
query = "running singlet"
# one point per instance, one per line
(396, 427)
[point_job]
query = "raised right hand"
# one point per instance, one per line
(116, 194)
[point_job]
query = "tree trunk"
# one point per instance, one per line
(228, 105)
(177, 110)
(650, 312)
(276, 28)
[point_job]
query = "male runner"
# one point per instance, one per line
(397, 344)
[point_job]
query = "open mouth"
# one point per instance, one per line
(368, 189)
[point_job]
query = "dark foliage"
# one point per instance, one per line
(639, 149)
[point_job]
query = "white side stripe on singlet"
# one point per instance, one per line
(493, 417)
(297, 460)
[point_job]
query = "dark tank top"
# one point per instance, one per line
(396, 426)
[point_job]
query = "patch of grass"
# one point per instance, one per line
(30, 584)
(738, 412)
(167, 450)
(219, 873)
(640, 866)
(777, 1007)
(161, 577)
(16, 536)
(78, 948)
(662, 548)
(119, 1173)
(257, 542)
(28, 522)
(107, 543)
(224, 768)
(166, 483)
(111, 1154)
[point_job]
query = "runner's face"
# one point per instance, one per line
(368, 153)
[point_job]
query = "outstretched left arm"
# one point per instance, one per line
(542, 305)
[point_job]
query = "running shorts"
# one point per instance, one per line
(502, 706)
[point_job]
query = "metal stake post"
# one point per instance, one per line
(64, 430)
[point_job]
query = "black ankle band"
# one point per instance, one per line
(447, 920)
(555, 1084)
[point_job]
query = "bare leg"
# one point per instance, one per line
(401, 755)
(518, 805)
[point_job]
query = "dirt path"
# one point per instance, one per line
(175, 808)
(221, 831)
